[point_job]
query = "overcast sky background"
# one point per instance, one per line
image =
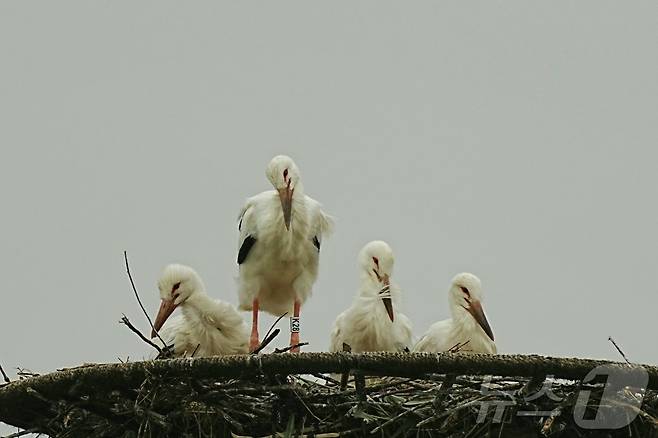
(515, 140)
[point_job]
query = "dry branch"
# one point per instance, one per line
(125, 321)
(21, 433)
(132, 283)
(290, 347)
(269, 336)
(619, 349)
(4, 375)
(266, 341)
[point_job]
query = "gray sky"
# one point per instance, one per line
(516, 140)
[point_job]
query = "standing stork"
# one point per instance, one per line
(280, 235)
(468, 326)
(372, 322)
(205, 327)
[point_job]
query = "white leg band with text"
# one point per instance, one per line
(294, 324)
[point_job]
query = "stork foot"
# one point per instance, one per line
(254, 343)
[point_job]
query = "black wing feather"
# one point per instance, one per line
(316, 242)
(245, 248)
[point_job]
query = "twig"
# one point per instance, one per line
(457, 347)
(326, 378)
(4, 375)
(126, 322)
(441, 394)
(345, 376)
(400, 415)
(132, 283)
(306, 406)
(618, 349)
(266, 341)
(22, 372)
(274, 325)
(21, 433)
(360, 385)
(195, 350)
(290, 347)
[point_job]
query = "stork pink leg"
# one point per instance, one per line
(294, 328)
(253, 341)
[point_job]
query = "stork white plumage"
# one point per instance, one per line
(372, 322)
(208, 326)
(280, 236)
(468, 323)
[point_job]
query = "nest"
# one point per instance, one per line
(388, 394)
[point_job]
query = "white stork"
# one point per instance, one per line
(205, 326)
(468, 326)
(373, 323)
(280, 235)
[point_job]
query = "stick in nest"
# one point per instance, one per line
(326, 378)
(266, 341)
(345, 376)
(126, 322)
(275, 323)
(619, 349)
(4, 375)
(23, 373)
(269, 336)
(21, 433)
(290, 347)
(132, 283)
(457, 347)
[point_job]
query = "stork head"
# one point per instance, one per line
(466, 296)
(176, 284)
(376, 260)
(284, 176)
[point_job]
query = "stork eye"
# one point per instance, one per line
(465, 290)
(176, 286)
(285, 174)
(376, 260)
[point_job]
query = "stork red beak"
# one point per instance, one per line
(475, 309)
(166, 309)
(388, 303)
(285, 194)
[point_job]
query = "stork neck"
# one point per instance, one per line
(368, 283)
(198, 302)
(459, 314)
(299, 189)
(298, 202)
